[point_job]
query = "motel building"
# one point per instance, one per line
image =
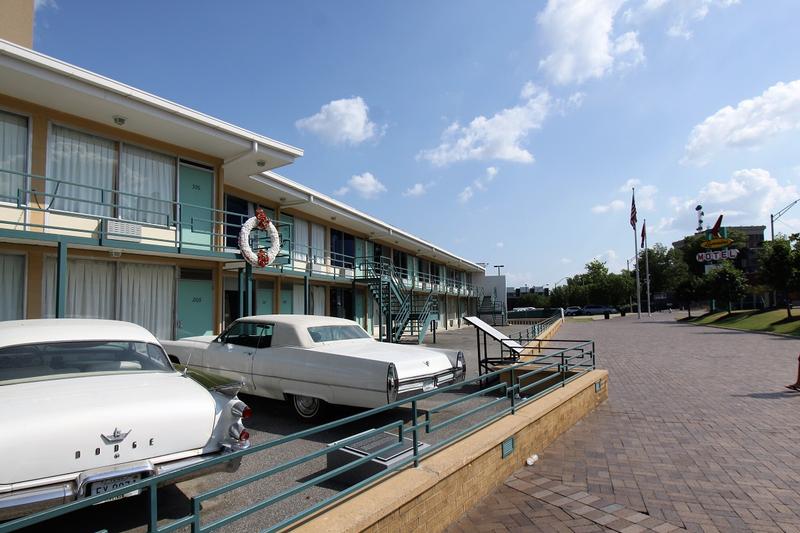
(118, 204)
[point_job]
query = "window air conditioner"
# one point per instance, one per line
(122, 231)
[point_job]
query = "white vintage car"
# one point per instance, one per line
(314, 360)
(88, 406)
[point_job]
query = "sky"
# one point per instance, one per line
(509, 133)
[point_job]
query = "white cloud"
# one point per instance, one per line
(566, 260)
(42, 4)
(500, 244)
(614, 205)
(578, 34)
(664, 224)
(750, 124)
(418, 189)
(365, 185)
(748, 197)
(498, 137)
(479, 184)
(681, 14)
(344, 121)
(645, 194)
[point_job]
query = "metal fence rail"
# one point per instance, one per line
(506, 390)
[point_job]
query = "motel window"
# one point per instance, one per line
(12, 287)
(13, 155)
(343, 248)
(400, 260)
(301, 238)
(237, 211)
(146, 185)
(81, 172)
(139, 293)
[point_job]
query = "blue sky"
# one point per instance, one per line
(508, 133)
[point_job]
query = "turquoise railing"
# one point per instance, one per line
(554, 370)
(193, 228)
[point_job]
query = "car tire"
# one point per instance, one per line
(308, 409)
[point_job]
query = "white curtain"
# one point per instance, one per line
(150, 176)
(318, 243)
(298, 300)
(13, 154)
(82, 161)
(90, 289)
(318, 297)
(146, 296)
(12, 287)
(300, 240)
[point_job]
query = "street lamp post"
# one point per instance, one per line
(776, 216)
(556, 285)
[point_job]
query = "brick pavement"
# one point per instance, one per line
(698, 433)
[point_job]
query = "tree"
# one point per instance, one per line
(777, 268)
(726, 283)
(619, 287)
(688, 291)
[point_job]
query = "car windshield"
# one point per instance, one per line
(57, 360)
(337, 333)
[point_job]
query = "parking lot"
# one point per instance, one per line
(272, 420)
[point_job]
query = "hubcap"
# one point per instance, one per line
(306, 406)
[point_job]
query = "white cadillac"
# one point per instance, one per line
(314, 360)
(88, 406)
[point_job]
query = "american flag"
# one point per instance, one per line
(644, 232)
(633, 211)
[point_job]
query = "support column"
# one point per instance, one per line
(248, 275)
(353, 299)
(61, 280)
(306, 293)
(241, 289)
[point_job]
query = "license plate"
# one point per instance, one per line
(114, 483)
(427, 385)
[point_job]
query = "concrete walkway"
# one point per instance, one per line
(698, 433)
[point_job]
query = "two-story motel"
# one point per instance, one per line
(118, 204)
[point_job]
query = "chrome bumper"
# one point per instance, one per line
(417, 385)
(26, 501)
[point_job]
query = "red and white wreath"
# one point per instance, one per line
(262, 257)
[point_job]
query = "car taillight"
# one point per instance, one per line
(237, 430)
(241, 410)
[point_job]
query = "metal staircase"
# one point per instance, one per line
(490, 306)
(404, 311)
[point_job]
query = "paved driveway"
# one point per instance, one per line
(698, 433)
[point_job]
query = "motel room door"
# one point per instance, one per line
(195, 304)
(196, 195)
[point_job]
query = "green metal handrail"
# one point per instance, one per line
(209, 222)
(571, 361)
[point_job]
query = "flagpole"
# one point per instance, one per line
(646, 266)
(636, 255)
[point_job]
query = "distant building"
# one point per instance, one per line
(747, 260)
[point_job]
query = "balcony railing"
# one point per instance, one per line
(55, 209)
(64, 209)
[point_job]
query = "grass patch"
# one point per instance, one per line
(774, 321)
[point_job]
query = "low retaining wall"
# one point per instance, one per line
(453, 480)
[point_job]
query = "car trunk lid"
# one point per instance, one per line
(70, 425)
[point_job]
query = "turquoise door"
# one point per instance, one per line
(195, 308)
(264, 300)
(359, 312)
(287, 297)
(196, 189)
(359, 258)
